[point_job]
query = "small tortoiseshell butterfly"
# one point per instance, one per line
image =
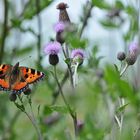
(16, 78)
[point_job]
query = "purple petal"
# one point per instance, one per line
(59, 27)
(134, 48)
(52, 48)
(78, 52)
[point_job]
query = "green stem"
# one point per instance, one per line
(124, 69)
(33, 116)
(32, 119)
(4, 28)
(39, 30)
(89, 7)
(56, 92)
(69, 66)
(122, 103)
(75, 76)
(72, 113)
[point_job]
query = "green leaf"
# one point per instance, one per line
(119, 4)
(50, 109)
(16, 22)
(117, 86)
(31, 9)
(76, 42)
(109, 24)
(131, 10)
(122, 108)
(60, 109)
(67, 60)
(101, 4)
(47, 110)
(116, 67)
(21, 107)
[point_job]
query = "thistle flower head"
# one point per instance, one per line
(78, 52)
(78, 56)
(134, 51)
(134, 48)
(52, 48)
(59, 27)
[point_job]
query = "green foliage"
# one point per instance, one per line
(49, 109)
(110, 24)
(101, 4)
(117, 85)
(122, 108)
(119, 4)
(31, 9)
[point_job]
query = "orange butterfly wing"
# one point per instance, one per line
(31, 75)
(28, 76)
(4, 76)
(20, 86)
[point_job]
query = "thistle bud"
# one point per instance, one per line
(121, 56)
(53, 59)
(59, 28)
(64, 21)
(131, 59)
(63, 15)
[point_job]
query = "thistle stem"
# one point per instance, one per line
(4, 32)
(65, 51)
(75, 75)
(34, 120)
(39, 23)
(72, 113)
(124, 69)
(31, 118)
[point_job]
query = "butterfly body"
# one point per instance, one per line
(16, 78)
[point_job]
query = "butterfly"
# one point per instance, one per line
(17, 78)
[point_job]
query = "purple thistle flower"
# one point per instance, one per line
(59, 27)
(134, 51)
(77, 56)
(134, 48)
(78, 53)
(52, 48)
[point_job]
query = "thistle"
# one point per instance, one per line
(52, 49)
